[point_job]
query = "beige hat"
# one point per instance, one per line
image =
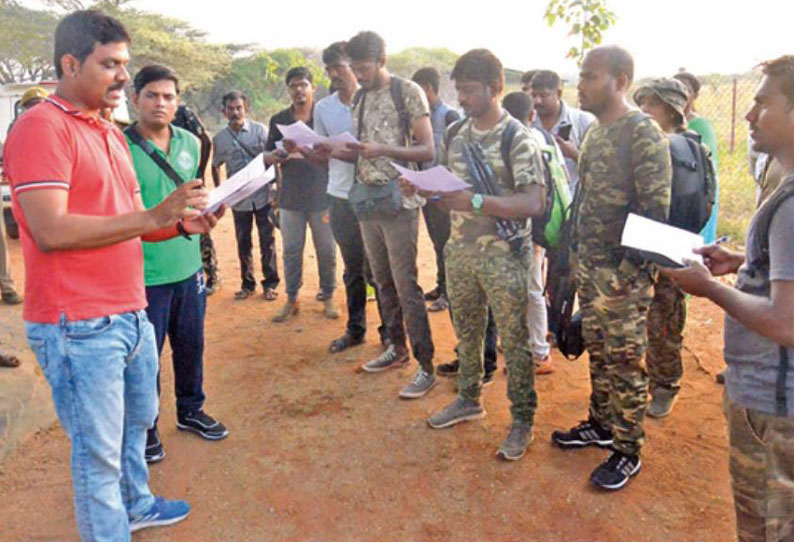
(671, 91)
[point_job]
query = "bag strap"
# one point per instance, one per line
(396, 91)
(150, 151)
(359, 100)
(245, 148)
(508, 134)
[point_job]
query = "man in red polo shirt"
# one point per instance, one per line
(77, 201)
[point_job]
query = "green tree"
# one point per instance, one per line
(261, 77)
(587, 21)
(25, 43)
(406, 62)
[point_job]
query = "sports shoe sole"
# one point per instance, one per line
(202, 434)
(470, 417)
(396, 364)
(418, 394)
(582, 443)
(157, 523)
(504, 455)
(615, 487)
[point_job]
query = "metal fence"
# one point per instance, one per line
(724, 100)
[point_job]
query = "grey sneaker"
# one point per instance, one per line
(421, 383)
(460, 410)
(515, 445)
(390, 358)
(662, 403)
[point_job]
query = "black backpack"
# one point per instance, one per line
(694, 182)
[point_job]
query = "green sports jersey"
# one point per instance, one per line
(176, 259)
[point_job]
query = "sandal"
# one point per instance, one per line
(8, 360)
(270, 294)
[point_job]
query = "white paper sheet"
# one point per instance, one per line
(301, 134)
(435, 179)
(228, 193)
(673, 243)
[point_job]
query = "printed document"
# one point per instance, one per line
(663, 244)
(435, 179)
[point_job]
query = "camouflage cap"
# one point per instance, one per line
(671, 91)
(33, 93)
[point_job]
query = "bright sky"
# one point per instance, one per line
(705, 36)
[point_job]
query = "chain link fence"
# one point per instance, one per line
(723, 100)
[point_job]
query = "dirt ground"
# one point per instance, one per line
(318, 451)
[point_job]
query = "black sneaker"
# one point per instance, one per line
(587, 433)
(448, 369)
(154, 446)
(615, 472)
(487, 378)
(202, 424)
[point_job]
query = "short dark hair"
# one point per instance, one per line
(78, 33)
(545, 80)
(518, 104)
(154, 72)
(527, 76)
(690, 80)
(619, 61)
(335, 53)
(299, 72)
(235, 95)
(783, 69)
(479, 65)
(366, 45)
(428, 77)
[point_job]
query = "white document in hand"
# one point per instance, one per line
(300, 133)
(672, 243)
(226, 192)
(435, 179)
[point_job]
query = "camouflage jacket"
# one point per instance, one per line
(477, 233)
(610, 190)
(382, 125)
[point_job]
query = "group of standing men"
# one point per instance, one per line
(86, 196)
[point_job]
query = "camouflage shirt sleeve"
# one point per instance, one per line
(652, 171)
(526, 160)
(415, 101)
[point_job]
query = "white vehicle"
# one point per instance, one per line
(10, 109)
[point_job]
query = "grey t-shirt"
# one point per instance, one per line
(229, 150)
(752, 359)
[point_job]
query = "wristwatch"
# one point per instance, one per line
(476, 203)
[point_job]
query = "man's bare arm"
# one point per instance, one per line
(54, 228)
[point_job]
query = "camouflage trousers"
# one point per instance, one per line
(666, 320)
(614, 312)
(762, 473)
(209, 259)
(476, 281)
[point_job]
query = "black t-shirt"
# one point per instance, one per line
(303, 185)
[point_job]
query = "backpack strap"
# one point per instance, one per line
(396, 91)
(452, 131)
(624, 145)
(765, 217)
(761, 239)
(150, 151)
(508, 135)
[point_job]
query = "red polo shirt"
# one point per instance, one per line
(55, 147)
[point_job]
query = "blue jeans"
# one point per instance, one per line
(176, 310)
(293, 237)
(103, 374)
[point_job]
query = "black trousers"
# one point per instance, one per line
(357, 274)
(438, 224)
(243, 226)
